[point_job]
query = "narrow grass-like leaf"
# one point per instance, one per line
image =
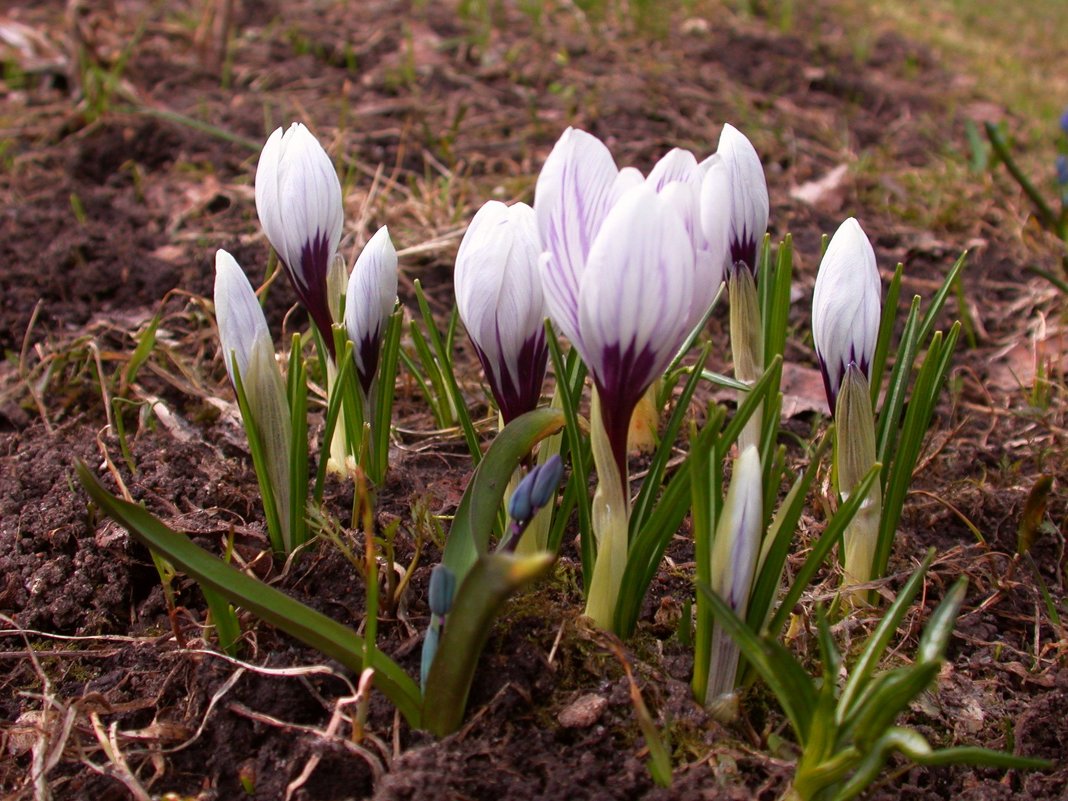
(648, 545)
(705, 498)
(145, 344)
(876, 644)
(777, 539)
(886, 332)
(820, 549)
(227, 629)
(259, 464)
(297, 392)
(934, 308)
(651, 484)
(443, 358)
(758, 394)
(777, 667)
(383, 390)
(302, 622)
(913, 430)
(939, 628)
(345, 374)
(570, 374)
(886, 427)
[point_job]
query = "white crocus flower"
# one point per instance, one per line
(499, 297)
(748, 196)
(298, 200)
(369, 301)
(846, 307)
(246, 341)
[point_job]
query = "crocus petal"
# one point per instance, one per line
(237, 313)
(749, 195)
(715, 219)
(738, 535)
(676, 165)
(369, 300)
(575, 190)
(846, 306)
(500, 300)
(298, 200)
(635, 303)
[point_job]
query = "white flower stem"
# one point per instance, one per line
(611, 522)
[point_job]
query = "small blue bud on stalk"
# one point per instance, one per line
(442, 590)
(1064, 121)
(535, 491)
(441, 594)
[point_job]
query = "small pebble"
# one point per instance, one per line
(583, 712)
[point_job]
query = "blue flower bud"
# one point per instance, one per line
(1062, 170)
(1064, 121)
(535, 490)
(442, 590)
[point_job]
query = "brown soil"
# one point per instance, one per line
(113, 204)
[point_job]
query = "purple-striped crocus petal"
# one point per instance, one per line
(676, 165)
(575, 190)
(737, 543)
(500, 300)
(635, 303)
(715, 219)
(369, 301)
(846, 307)
(749, 195)
(237, 313)
(298, 200)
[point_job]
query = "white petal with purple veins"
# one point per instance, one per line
(846, 306)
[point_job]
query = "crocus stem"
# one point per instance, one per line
(611, 519)
(854, 455)
(747, 344)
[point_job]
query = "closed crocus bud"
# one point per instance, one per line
(298, 199)
(734, 560)
(846, 307)
(242, 326)
(499, 297)
(369, 301)
(246, 342)
(748, 196)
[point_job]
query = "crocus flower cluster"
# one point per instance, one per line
(298, 200)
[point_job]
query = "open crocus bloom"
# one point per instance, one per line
(747, 198)
(621, 270)
(369, 301)
(298, 200)
(626, 278)
(499, 297)
(846, 307)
